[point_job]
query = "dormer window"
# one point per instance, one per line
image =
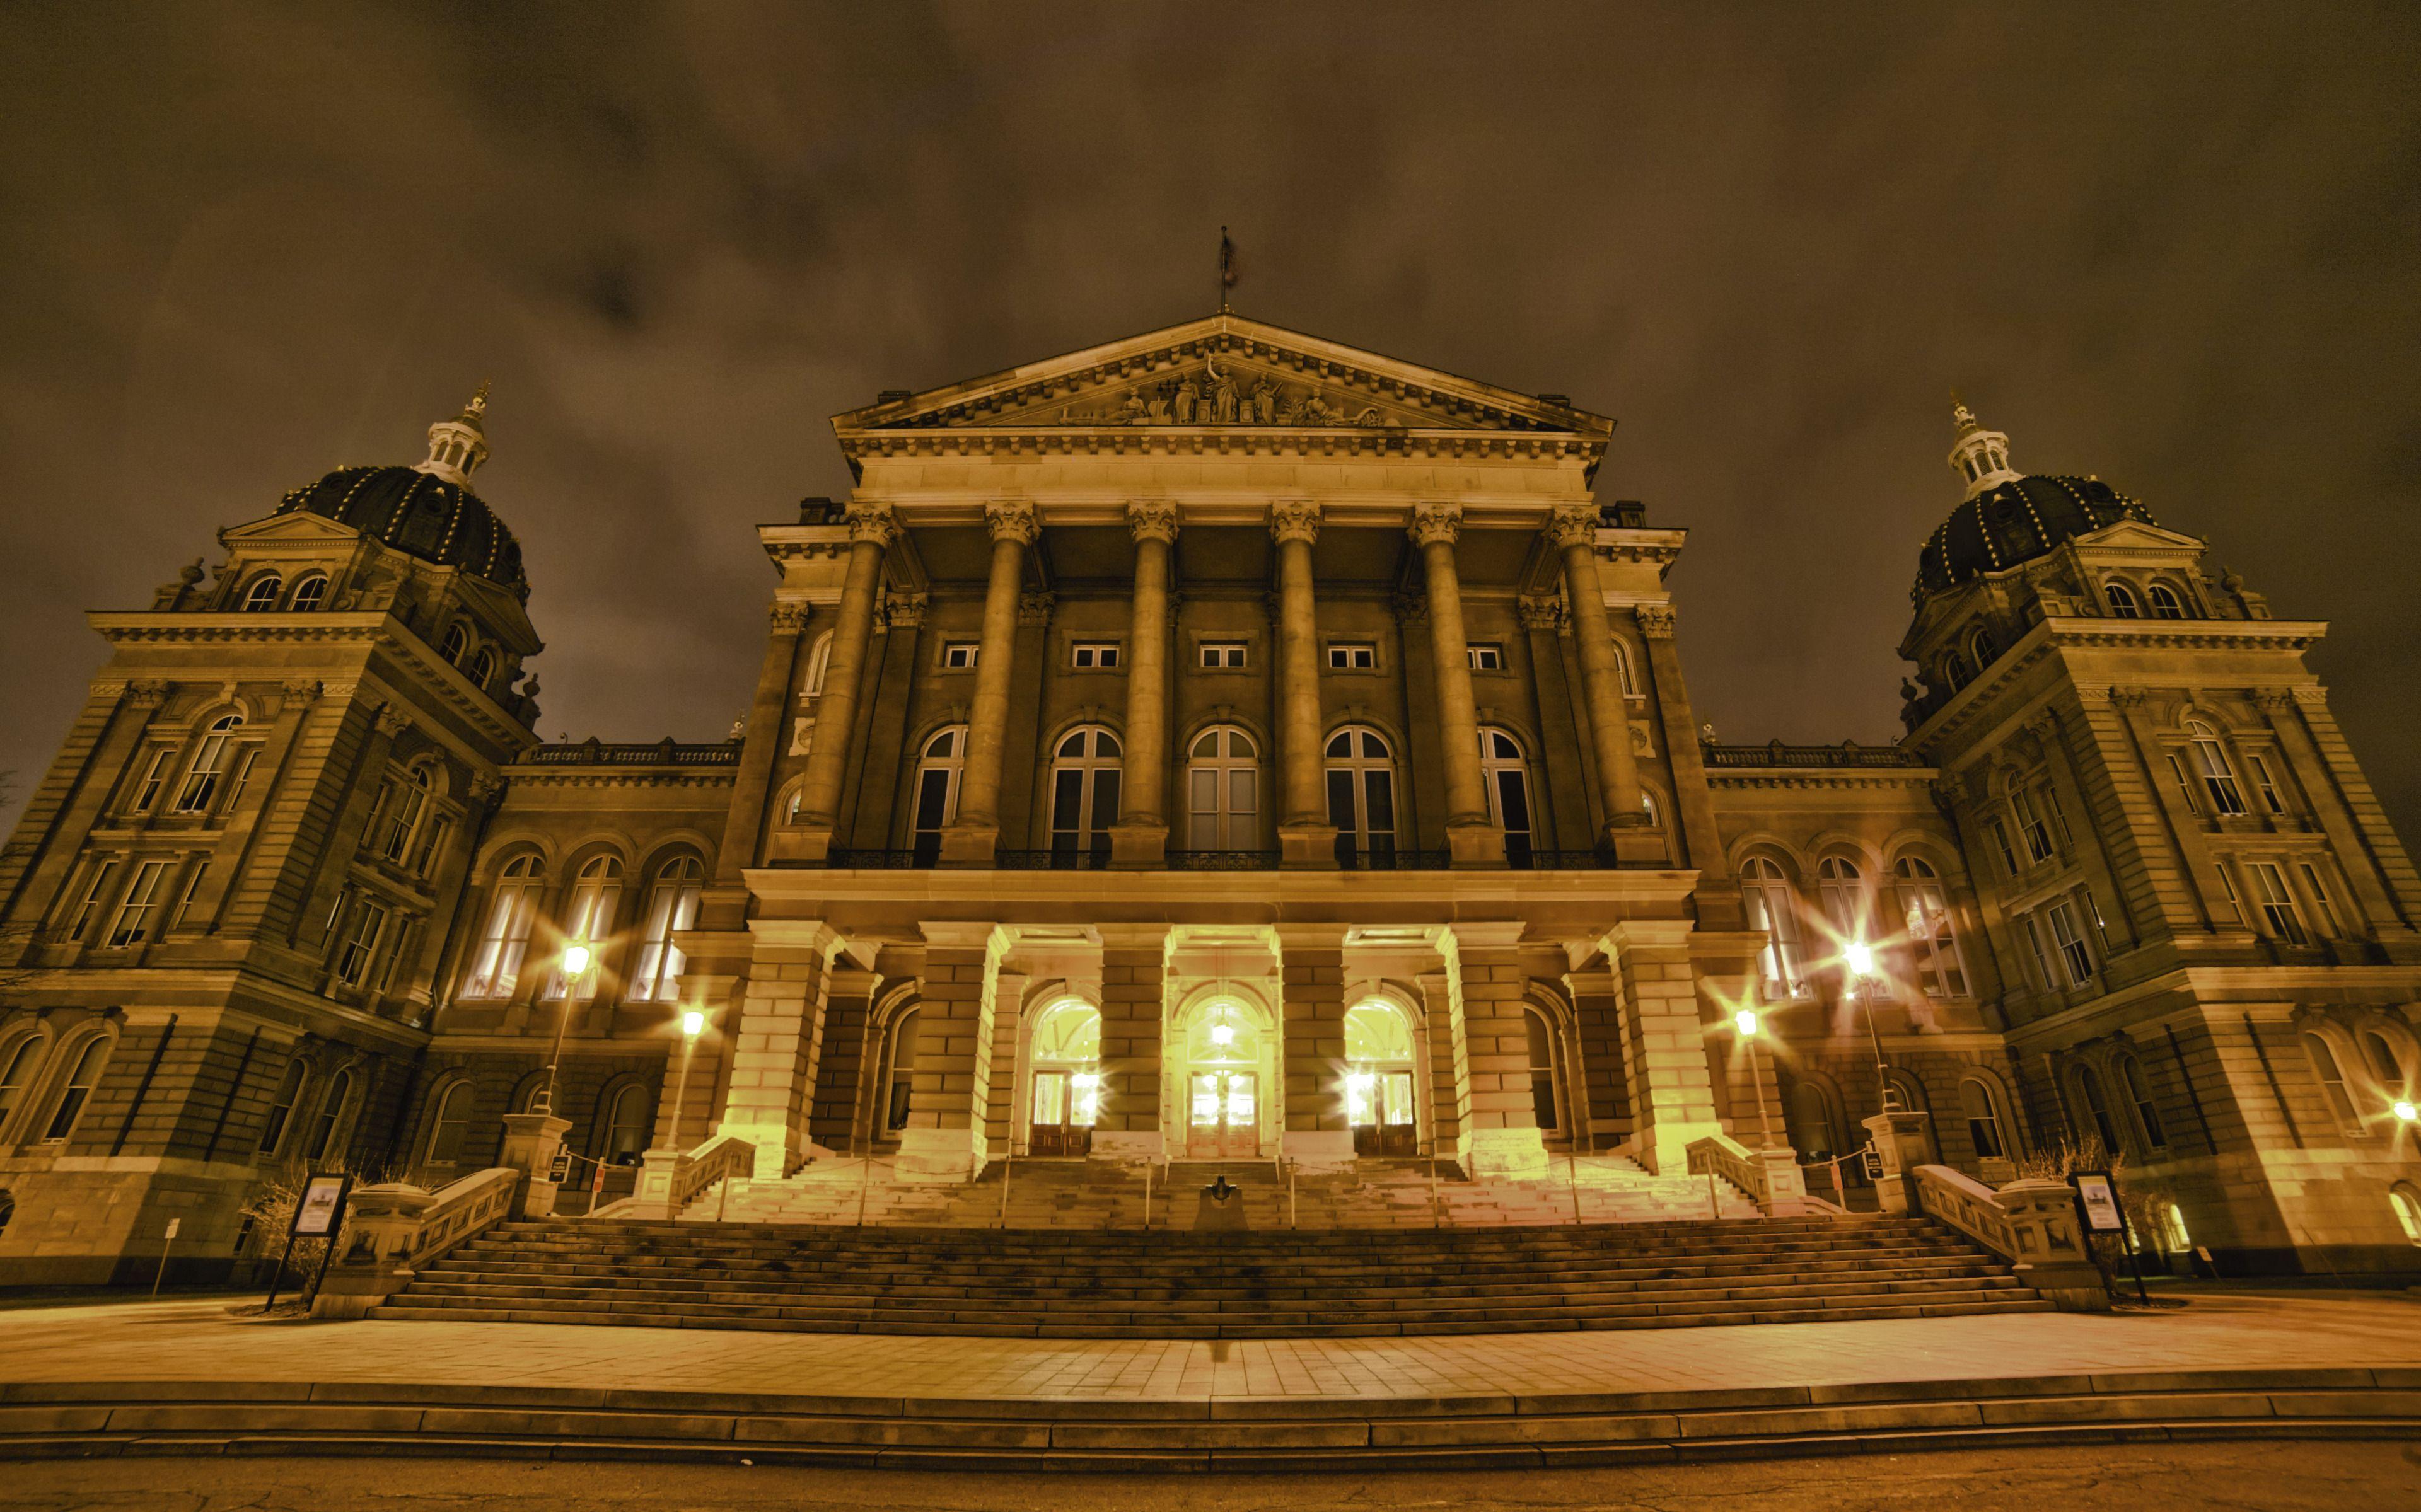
(309, 593)
(483, 669)
(262, 596)
(2165, 603)
(2122, 603)
(457, 641)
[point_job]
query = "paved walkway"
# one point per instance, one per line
(197, 1341)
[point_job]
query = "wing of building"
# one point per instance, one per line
(1221, 744)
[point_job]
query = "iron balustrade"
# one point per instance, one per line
(1222, 860)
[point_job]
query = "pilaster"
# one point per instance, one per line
(1663, 1041)
(950, 1102)
(1318, 1130)
(1501, 1138)
(774, 1056)
(1134, 961)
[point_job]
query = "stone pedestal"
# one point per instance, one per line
(1901, 1139)
(809, 844)
(2051, 1242)
(970, 844)
(1139, 847)
(1475, 844)
(1636, 844)
(659, 1172)
(1306, 847)
(531, 1140)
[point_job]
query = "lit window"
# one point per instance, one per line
(959, 656)
(1224, 656)
(1766, 894)
(2122, 603)
(1361, 775)
(202, 775)
(588, 917)
(1933, 949)
(2408, 1211)
(1486, 658)
(262, 595)
(133, 925)
(672, 905)
(2165, 603)
(2278, 908)
(2210, 762)
(1353, 656)
(1223, 777)
(1097, 655)
(308, 593)
(1843, 888)
(496, 964)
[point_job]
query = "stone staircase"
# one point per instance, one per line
(1126, 1283)
(1104, 1194)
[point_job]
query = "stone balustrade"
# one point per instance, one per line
(670, 1179)
(2032, 1223)
(1770, 1177)
(392, 1228)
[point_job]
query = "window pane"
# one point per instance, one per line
(1380, 788)
(932, 800)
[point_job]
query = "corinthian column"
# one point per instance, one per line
(1469, 836)
(872, 528)
(1305, 838)
(1572, 528)
(974, 839)
(1140, 839)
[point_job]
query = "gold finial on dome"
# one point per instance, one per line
(458, 446)
(1979, 456)
(1961, 417)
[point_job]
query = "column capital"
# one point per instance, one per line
(1033, 609)
(1013, 520)
(1295, 520)
(1435, 523)
(1572, 524)
(147, 693)
(905, 611)
(1152, 520)
(392, 721)
(788, 619)
(872, 520)
(1655, 620)
(301, 690)
(1539, 611)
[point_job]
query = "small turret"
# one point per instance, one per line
(1979, 456)
(458, 446)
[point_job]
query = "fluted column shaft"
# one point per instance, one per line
(1574, 531)
(1296, 526)
(871, 530)
(1142, 787)
(1013, 527)
(1435, 529)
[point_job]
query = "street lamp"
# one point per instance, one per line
(2407, 1111)
(574, 964)
(1860, 958)
(693, 1024)
(1746, 1022)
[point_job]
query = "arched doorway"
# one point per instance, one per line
(1064, 1067)
(1230, 1051)
(1379, 1079)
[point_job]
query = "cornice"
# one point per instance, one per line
(1825, 777)
(995, 442)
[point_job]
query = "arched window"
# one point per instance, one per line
(1814, 1130)
(2210, 762)
(2165, 603)
(1222, 792)
(332, 1117)
(588, 919)
(262, 596)
(483, 667)
(1980, 647)
(209, 759)
(629, 1119)
(496, 964)
(819, 662)
(82, 1077)
(672, 904)
(1622, 668)
(1506, 778)
(1362, 797)
(309, 592)
(1546, 1106)
(2333, 1082)
(1766, 894)
(448, 1124)
(1956, 670)
(1084, 793)
(2407, 1203)
(899, 1071)
(1379, 1079)
(17, 1074)
(1844, 890)
(1064, 1059)
(281, 1108)
(2097, 1107)
(2148, 1113)
(2385, 1062)
(456, 641)
(2122, 601)
(937, 790)
(1979, 1104)
(401, 811)
(1935, 964)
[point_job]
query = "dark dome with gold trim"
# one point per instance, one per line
(2015, 522)
(420, 514)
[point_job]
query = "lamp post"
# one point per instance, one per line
(1860, 958)
(693, 1024)
(1746, 1022)
(576, 957)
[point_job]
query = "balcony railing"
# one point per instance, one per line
(1058, 857)
(847, 860)
(1351, 857)
(1848, 753)
(1222, 860)
(665, 753)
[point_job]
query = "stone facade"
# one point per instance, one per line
(1220, 742)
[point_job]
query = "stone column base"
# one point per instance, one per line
(1475, 844)
(1319, 1149)
(1633, 843)
(810, 844)
(1139, 847)
(1504, 1154)
(936, 1157)
(1307, 846)
(970, 844)
(1899, 1139)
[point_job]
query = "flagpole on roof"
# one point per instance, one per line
(1226, 269)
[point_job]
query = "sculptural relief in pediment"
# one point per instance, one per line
(1215, 391)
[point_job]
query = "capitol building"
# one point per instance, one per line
(1217, 753)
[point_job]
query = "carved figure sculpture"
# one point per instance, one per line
(1265, 401)
(1227, 410)
(1189, 393)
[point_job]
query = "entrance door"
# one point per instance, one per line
(1225, 1123)
(1056, 1128)
(1390, 1110)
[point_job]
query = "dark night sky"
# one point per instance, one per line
(2173, 246)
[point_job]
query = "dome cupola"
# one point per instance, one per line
(2008, 517)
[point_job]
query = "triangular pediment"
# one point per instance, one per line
(295, 527)
(1223, 372)
(2137, 536)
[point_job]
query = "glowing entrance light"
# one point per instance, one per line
(1861, 957)
(1745, 1021)
(1222, 1033)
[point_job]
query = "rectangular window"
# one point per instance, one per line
(361, 944)
(403, 937)
(243, 780)
(433, 845)
(90, 907)
(2072, 951)
(155, 777)
(2268, 786)
(1101, 655)
(2031, 827)
(960, 655)
(2008, 854)
(2059, 817)
(1353, 656)
(1486, 658)
(2278, 910)
(2185, 783)
(1224, 656)
(2228, 888)
(192, 890)
(2329, 920)
(133, 925)
(2033, 929)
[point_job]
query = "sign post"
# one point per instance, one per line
(319, 1212)
(2098, 1196)
(166, 1240)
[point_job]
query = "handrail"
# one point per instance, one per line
(1968, 1206)
(2032, 1223)
(723, 1158)
(1770, 1177)
(393, 1228)
(1222, 860)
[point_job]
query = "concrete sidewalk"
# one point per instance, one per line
(197, 1341)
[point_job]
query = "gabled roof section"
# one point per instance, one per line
(1213, 377)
